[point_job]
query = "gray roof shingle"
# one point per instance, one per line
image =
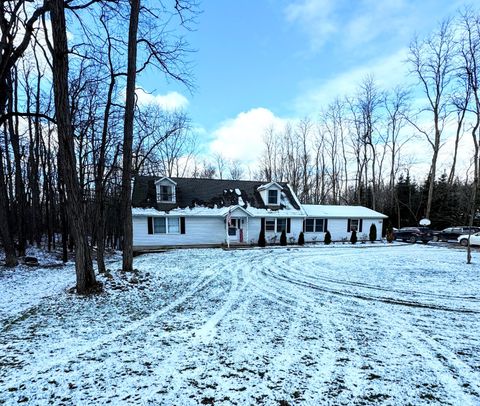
(192, 192)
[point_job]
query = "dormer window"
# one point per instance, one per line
(165, 194)
(165, 191)
(273, 197)
(270, 193)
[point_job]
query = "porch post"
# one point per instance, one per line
(226, 232)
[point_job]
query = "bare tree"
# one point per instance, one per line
(431, 61)
(128, 138)
(470, 52)
(86, 281)
(235, 169)
(221, 162)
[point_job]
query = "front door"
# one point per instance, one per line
(235, 232)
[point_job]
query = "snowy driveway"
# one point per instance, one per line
(365, 324)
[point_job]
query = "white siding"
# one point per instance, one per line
(338, 230)
(198, 230)
(296, 226)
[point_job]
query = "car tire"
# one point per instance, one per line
(412, 239)
(463, 242)
(435, 238)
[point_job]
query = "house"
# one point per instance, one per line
(340, 221)
(171, 211)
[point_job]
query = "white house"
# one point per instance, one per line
(210, 212)
(340, 221)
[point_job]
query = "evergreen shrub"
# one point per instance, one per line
(373, 233)
(328, 238)
(353, 237)
(261, 239)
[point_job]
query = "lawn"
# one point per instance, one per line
(365, 324)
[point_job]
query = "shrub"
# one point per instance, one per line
(261, 239)
(283, 238)
(390, 236)
(301, 239)
(328, 238)
(373, 233)
(353, 237)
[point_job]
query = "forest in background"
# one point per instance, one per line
(74, 134)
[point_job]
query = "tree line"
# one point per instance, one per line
(354, 151)
(73, 134)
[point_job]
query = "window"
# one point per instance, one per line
(270, 225)
(277, 225)
(273, 197)
(354, 224)
(166, 225)
(314, 225)
(319, 225)
(173, 225)
(159, 225)
(165, 193)
(232, 228)
(309, 225)
(281, 225)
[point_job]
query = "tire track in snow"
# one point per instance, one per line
(456, 373)
(132, 327)
(452, 365)
(394, 301)
(199, 339)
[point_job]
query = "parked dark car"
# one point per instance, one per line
(414, 234)
(452, 233)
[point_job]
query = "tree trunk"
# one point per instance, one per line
(86, 282)
(20, 197)
(5, 233)
(128, 138)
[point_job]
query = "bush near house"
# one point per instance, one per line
(261, 239)
(373, 233)
(353, 237)
(283, 238)
(301, 239)
(390, 235)
(328, 238)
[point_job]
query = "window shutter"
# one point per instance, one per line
(325, 225)
(361, 225)
(288, 225)
(348, 225)
(150, 225)
(262, 226)
(182, 225)
(304, 220)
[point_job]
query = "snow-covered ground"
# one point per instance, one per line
(364, 324)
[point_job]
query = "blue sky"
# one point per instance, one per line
(265, 61)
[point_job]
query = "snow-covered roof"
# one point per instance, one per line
(269, 185)
(331, 211)
(165, 178)
(216, 212)
(194, 192)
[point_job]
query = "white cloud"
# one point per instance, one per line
(170, 101)
(315, 17)
(242, 137)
